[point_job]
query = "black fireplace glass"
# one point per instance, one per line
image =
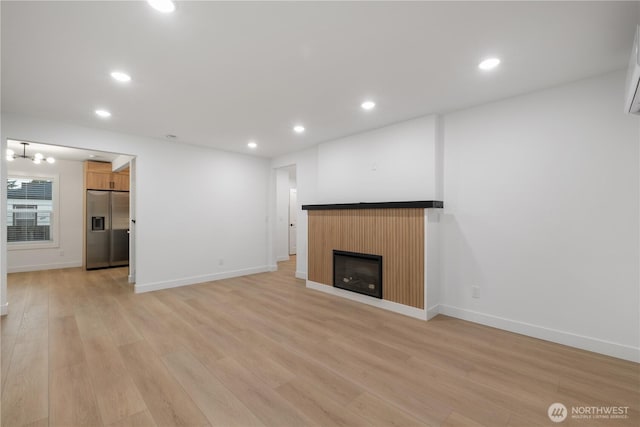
(356, 272)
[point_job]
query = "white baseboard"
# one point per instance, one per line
(433, 311)
(620, 351)
(418, 313)
(39, 267)
(283, 258)
(131, 279)
(301, 275)
(4, 309)
(273, 268)
(156, 286)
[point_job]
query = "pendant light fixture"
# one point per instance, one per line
(37, 158)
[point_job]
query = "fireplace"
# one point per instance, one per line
(361, 273)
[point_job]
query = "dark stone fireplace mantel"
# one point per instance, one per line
(423, 204)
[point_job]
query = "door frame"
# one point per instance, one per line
(293, 237)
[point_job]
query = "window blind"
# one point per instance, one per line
(29, 209)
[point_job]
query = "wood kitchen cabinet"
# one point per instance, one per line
(98, 176)
(120, 180)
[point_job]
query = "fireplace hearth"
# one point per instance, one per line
(356, 272)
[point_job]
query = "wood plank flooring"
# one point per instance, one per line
(80, 349)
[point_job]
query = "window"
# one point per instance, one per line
(30, 209)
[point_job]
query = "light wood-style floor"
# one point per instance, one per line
(79, 348)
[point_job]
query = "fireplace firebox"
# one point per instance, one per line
(356, 272)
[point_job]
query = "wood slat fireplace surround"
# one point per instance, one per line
(395, 230)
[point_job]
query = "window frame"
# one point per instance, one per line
(55, 212)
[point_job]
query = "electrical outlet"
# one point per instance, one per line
(475, 291)
(61, 253)
(221, 261)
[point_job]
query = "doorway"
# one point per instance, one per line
(46, 205)
(286, 233)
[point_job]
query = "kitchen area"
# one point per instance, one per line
(70, 212)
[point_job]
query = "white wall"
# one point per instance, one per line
(282, 214)
(68, 253)
(201, 213)
(542, 213)
(393, 163)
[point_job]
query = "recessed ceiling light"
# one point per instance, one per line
(103, 113)
(298, 128)
(121, 77)
(368, 105)
(489, 64)
(252, 144)
(51, 160)
(164, 6)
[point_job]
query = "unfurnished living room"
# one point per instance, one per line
(320, 213)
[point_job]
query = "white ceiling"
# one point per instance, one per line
(219, 74)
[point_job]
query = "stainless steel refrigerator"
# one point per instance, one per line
(107, 229)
